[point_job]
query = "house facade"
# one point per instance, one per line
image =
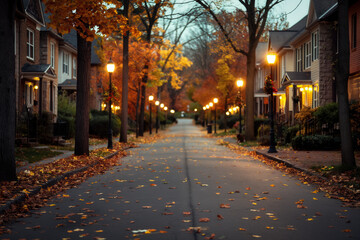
(354, 34)
(35, 76)
(306, 57)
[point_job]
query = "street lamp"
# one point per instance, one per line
(240, 84)
(151, 98)
(157, 103)
(271, 57)
(165, 109)
(110, 68)
(215, 102)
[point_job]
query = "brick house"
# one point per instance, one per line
(35, 69)
(306, 53)
(354, 35)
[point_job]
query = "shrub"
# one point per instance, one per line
(67, 112)
(99, 121)
(305, 114)
(264, 135)
(45, 127)
(230, 120)
(290, 133)
(258, 122)
(315, 142)
(327, 114)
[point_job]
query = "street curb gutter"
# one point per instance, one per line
(50, 183)
(287, 164)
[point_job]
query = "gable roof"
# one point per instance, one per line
(317, 8)
(71, 38)
(296, 77)
(34, 10)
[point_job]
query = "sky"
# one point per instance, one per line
(296, 15)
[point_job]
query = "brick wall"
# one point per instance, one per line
(354, 52)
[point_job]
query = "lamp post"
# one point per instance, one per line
(110, 68)
(157, 103)
(215, 102)
(240, 84)
(271, 57)
(165, 109)
(151, 98)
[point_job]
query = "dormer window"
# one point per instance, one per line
(30, 44)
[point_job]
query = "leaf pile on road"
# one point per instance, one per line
(332, 186)
(36, 176)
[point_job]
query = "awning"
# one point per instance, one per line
(37, 71)
(296, 78)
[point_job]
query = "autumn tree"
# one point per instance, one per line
(88, 18)
(7, 91)
(149, 13)
(256, 17)
(342, 76)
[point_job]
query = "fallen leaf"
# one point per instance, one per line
(204, 220)
(220, 217)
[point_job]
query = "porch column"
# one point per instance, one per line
(40, 95)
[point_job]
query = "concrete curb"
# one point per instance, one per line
(290, 165)
(50, 183)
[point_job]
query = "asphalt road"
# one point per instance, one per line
(188, 187)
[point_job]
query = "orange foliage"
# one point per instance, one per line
(139, 53)
(87, 17)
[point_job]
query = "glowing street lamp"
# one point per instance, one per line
(215, 103)
(271, 57)
(151, 98)
(240, 84)
(110, 67)
(157, 103)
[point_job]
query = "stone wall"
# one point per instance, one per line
(327, 36)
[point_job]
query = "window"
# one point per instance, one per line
(353, 30)
(298, 60)
(52, 55)
(65, 63)
(315, 45)
(307, 55)
(74, 67)
(29, 94)
(30, 44)
(315, 96)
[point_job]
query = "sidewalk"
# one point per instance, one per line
(65, 154)
(301, 159)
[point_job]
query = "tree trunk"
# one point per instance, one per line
(249, 91)
(7, 92)
(82, 96)
(142, 100)
(137, 109)
(342, 75)
(125, 75)
(226, 107)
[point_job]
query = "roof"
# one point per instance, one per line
(321, 6)
(71, 38)
(300, 25)
(296, 77)
(68, 82)
(33, 9)
(278, 39)
(38, 68)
